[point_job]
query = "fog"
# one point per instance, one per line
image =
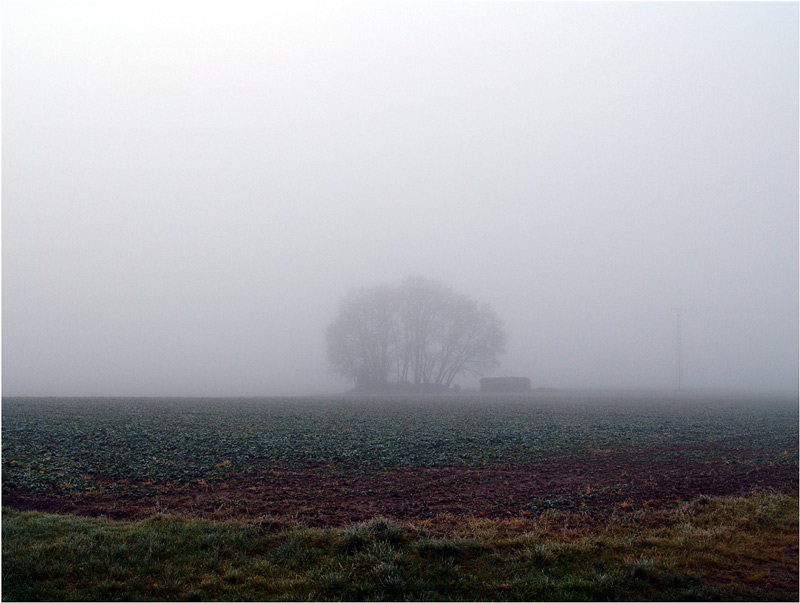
(189, 190)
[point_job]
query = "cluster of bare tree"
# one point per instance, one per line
(419, 335)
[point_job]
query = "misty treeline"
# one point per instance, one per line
(418, 335)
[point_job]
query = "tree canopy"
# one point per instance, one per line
(419, 335)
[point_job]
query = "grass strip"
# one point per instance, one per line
(743, 548)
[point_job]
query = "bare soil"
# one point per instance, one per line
(593, 486)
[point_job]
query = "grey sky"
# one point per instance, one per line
(188, 190)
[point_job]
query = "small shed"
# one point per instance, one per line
(505, 385)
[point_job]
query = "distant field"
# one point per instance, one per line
(556, 450)
(578, 463)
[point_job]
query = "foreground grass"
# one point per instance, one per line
(710, 549)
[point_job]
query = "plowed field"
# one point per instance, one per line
(335, 462)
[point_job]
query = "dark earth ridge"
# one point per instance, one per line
(595, 485)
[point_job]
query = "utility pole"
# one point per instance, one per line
(678, 351)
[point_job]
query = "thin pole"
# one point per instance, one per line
(678, 351)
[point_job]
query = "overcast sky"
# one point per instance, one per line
(190, 189)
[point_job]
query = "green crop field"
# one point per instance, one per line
(501, 497)
(66, 442)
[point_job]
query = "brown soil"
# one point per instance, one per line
(602, 482)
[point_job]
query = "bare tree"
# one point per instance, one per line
(418, 335)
